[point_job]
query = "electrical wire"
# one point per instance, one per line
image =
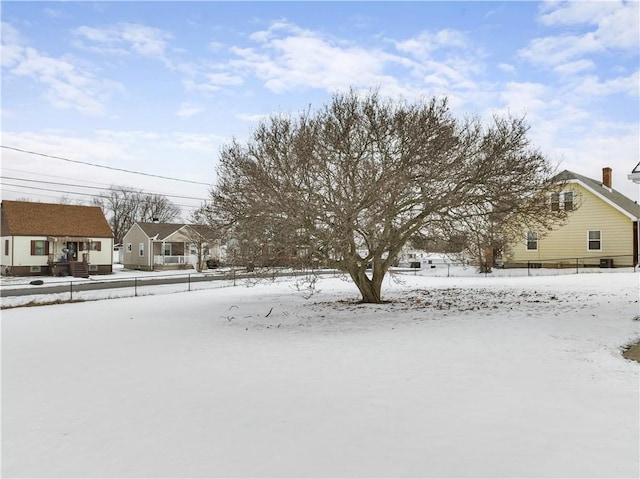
(106, 186)
(97, 188)
(101, 166)
(74, 193)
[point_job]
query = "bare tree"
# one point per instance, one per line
(154, 207)
(356, 180)
(119, 205)
(204, 238)
(123, 206)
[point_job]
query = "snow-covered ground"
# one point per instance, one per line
(456, 377)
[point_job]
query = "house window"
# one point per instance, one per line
(141, 249)
(568, 201)
(167, 249)
(594, 240)
(129, 247)
(91, 246)
(562, 201)
(532, 241)
(35, 269)
(39, 248)
(6, 247)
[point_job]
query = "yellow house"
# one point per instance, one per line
(601, 228)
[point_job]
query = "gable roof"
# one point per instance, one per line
(205, 231)
(24, 218)
(160, 231)
(615, 198)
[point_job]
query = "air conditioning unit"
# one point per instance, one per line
(606, 262)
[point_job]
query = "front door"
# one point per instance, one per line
(72, 251)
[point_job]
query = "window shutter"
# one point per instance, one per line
(46, 247)
(81, 246)
(98, 245)
(33, 247)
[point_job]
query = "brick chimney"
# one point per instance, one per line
(606, 177)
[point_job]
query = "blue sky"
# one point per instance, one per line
(159, 87)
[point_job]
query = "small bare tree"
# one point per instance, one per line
(153, 207)
(119, 205)
(204, 238)
(123, 206)
(353, 182)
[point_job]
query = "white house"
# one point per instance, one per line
(54, 239)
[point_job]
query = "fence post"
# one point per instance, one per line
(135, 286)
(528, 268)
(189, 281)
(70, 290)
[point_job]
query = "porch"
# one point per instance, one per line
(172, 255)
(69, 256)
(174, 261)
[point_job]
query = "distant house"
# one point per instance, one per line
(601, 229)
(54, 239)
(162, 246)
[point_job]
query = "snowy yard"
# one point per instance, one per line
(456, 377)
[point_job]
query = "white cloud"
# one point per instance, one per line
(52, 13)
(607, 26)
(252, 117)
(215, 81)
(124, 38)
(307, 60)
(507, 68)
(571, 68)
(628, 85)
(66, 85)
(552, 51)
(187, 110)
(524, 98)
(425, 43)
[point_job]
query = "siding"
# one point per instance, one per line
(132, 259)
(21, 248)
(570, 240)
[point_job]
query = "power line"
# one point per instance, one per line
(73, 192)
(98, 188)
(101, 166)
(49, 175)
(4, 190)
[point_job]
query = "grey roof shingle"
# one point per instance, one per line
(160, 230)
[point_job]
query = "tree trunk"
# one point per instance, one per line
(369, 288)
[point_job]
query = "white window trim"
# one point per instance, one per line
(129, 247)
(589, 240)
(537, 240)
(141, 249)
